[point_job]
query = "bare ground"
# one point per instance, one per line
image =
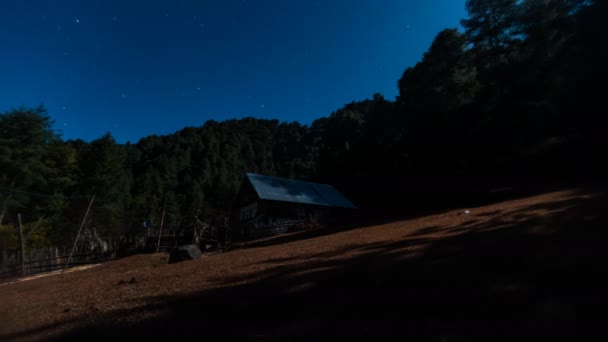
(530, 268)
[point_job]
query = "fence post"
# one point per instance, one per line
(4, 260)
(57, 259)
(22, 248)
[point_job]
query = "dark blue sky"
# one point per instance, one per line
(136, 68)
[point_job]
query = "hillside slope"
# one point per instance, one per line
(525, 268)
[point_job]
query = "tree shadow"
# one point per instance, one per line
(361, 219)
(535, 277)
(489, 213)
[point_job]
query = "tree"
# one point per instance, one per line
(25, 136)
(491, 24)
(443, 80)
(103, 173)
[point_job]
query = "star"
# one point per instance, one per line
(65, 123)
(262, 106)
(77, 21)
(123, 96)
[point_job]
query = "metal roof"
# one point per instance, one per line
(290, 190)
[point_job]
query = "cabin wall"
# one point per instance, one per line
(267, 218)
(248, 212)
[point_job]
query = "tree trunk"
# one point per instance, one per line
(6, 201)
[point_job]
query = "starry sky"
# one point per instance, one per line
(135, 68)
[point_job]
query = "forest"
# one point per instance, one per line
(514, 98)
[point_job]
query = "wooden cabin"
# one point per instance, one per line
(270, 205)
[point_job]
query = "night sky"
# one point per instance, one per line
(135, 68)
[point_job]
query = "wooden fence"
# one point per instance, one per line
(47, 260)
(165, 243)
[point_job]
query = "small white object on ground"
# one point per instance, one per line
(467, 212)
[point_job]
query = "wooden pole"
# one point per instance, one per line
(6, 200)
(162, 220)
(22, 248)
(226, 228)
(77, 236)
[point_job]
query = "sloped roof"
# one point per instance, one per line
(290, 190)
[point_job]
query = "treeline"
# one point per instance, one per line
(514, 99)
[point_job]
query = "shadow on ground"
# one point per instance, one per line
(358, 219)
(530, 274)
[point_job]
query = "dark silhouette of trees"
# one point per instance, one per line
(514, 99)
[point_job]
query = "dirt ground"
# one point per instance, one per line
(529, 268)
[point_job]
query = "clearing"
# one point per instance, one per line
(523, 269)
